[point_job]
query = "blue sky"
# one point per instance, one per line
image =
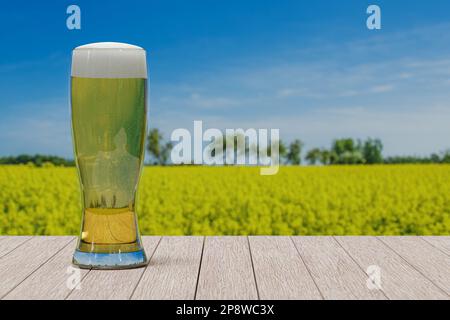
(310, 68)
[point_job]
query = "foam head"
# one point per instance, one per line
(109, 60)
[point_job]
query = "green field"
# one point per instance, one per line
(338, 200)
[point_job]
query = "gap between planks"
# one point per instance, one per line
(9, 244)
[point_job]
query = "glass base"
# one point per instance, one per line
(111, 261)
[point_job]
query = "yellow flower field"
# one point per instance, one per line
(339, 200)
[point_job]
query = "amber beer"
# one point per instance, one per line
(109, 111)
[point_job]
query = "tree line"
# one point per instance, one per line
(37, 160)
(345, 151)
(350, 151)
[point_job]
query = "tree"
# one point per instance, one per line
(282, 151)
(372, 151)
(434, 158)
(159, 151)
(351, 157)
(341, 146)
(294, 153)
(230, 145)
(347, 151)
(165, 153)
(154, 144)
(313, 156)
(446, 157)
(326, 156)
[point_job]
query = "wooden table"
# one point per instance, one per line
(235, 268)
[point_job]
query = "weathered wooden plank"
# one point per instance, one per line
(113, 284)
(8, 243)
(333, 270)
(19, 264)
(173, 270)
(399, 280)
(442, 243)
(53, 280)
(226, 270)
(411, 268)
(431, 262)
(279, 270)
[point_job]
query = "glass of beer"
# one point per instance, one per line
(109, 112)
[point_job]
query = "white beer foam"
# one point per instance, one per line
(109, 60)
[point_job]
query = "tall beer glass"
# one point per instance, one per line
(108, 101)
